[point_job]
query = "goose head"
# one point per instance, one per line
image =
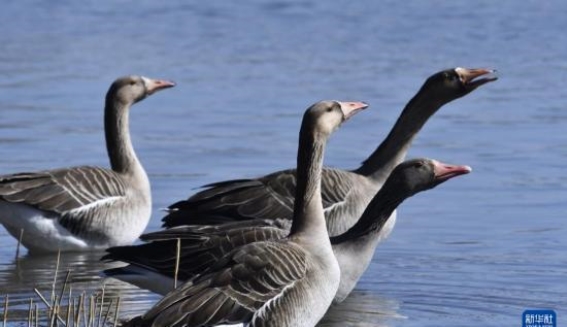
(131, 89)
(454, 83)
(418, 175)
(326, 116)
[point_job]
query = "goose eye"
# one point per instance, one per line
(329, 109)
(132, 82)
(418, 164)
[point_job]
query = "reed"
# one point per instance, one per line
(65, 309)
(177, 259)
(19, 244)
(5, 313)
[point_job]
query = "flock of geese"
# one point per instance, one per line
(272, 251)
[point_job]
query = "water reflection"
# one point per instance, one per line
(478, 251)
(363, 308)
(20, 277)
(78, 273)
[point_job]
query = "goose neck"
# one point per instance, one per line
(308, 216)
(123, 159)
(393, 150)
(374, 217)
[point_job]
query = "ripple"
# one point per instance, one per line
(362, 308)
(476, 250)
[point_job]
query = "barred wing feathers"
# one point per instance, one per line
(244, 282)
(70, 194)
(269, 197)
(200, 247)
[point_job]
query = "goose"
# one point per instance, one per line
(345, 193)
(86, 208)
(152, 265)
(285, 282)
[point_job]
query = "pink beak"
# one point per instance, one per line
(445, 171)
(154, 85)
(351, 108)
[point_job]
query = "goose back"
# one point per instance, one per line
(345, 193)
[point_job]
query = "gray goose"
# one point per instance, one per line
(285, 282)
(345, 193)
(152, 265)
(86, 208)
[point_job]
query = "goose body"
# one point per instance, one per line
(355, 248)
(345, 194)
(85, 208)
(201, 246)
(236, 201)
(285, 282)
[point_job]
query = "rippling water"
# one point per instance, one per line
(475, 251)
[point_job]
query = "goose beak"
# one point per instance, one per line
(445, 172)
(154, 85)
(351, 108)
(470, 77)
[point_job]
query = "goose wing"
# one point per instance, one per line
(200, 246)
(244, 282)
(269, 197)
(71, 194)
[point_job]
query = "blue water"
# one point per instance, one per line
(475, 251)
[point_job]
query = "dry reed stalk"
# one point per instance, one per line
(51, 308)
(101, 305)
(19, 243)
(85, 312)
(106, 315)
(68, 318)
(64, 287)
(55, 314)
(55, 276)
(71, 315)
(79, 309)
(30, 314)
(5, 319)
(177, 260)
(92, 312)
(116, 312)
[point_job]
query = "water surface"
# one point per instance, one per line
(477, 250)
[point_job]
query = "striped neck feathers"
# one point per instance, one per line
(117, 131)
(308, 213)
(392, 151)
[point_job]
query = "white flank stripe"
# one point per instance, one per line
(262, 311)
(98, 203)
(329, 208)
